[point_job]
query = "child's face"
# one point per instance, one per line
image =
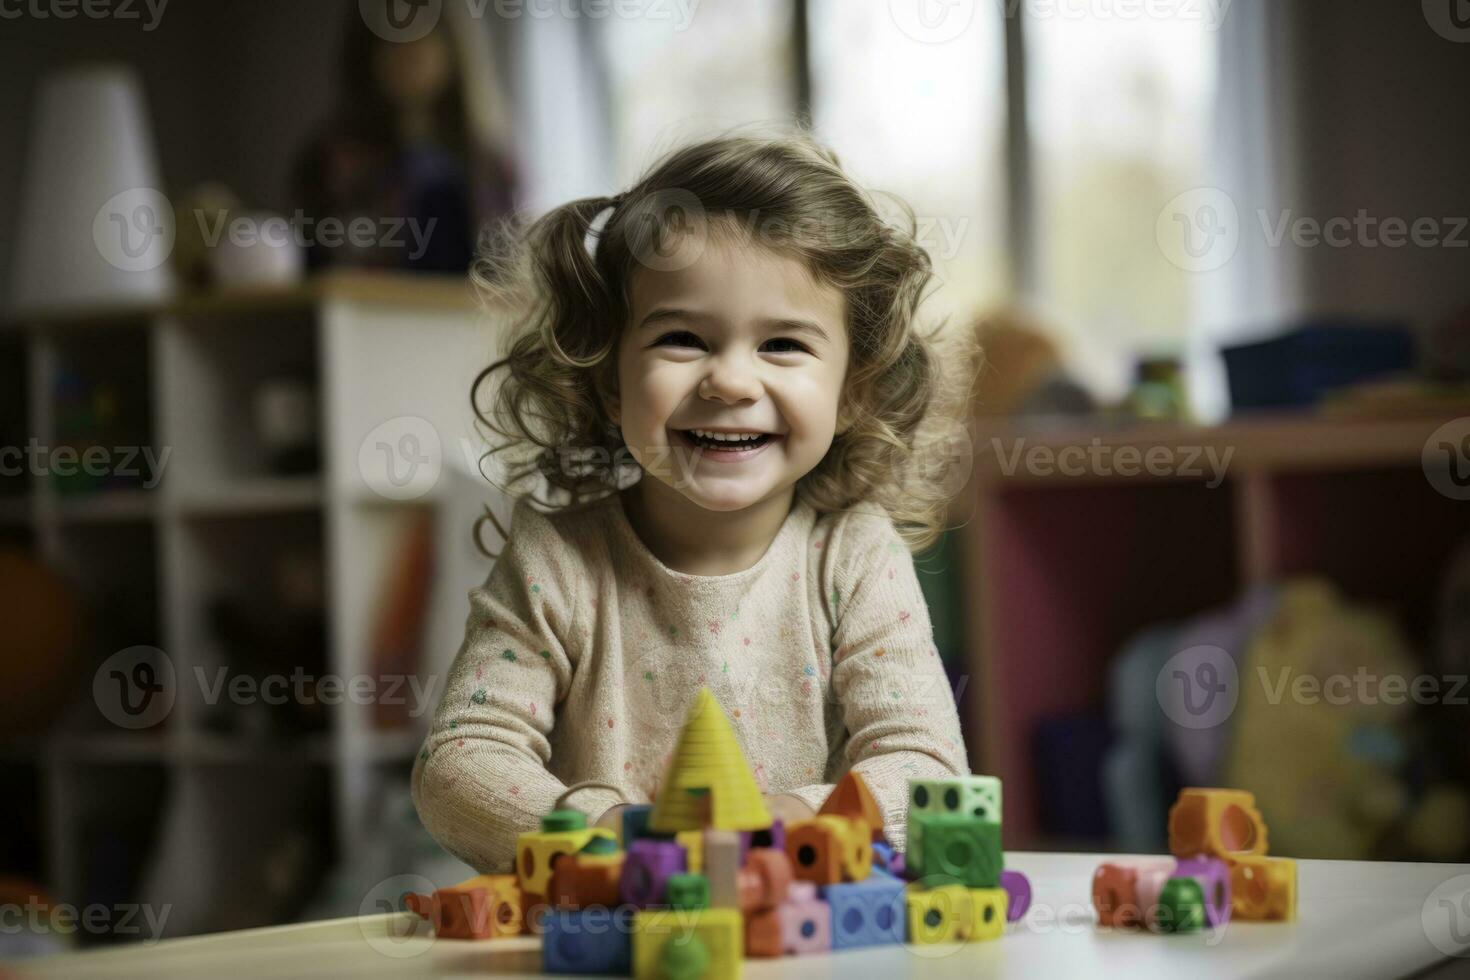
(714, 346)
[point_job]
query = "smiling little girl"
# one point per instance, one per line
(720, 380)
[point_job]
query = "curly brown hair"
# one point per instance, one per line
(901, 440)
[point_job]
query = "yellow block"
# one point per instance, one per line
(693, 843)
(989, 908)
(536, 850)
(708, 943)
(1263, 889)
(940, 915)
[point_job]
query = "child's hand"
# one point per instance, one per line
(787, 808)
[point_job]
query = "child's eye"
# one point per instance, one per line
(683, 334)
(687, 339)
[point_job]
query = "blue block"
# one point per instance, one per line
(870, 912)
(591, 940)
(635, 823)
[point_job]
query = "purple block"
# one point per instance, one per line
(646, 871)
(1214, 880)
(1018, 893)
(774, 838)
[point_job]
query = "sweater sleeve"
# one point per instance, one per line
(480, 779)
(897, 706)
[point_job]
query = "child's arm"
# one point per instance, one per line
(480, 779)
(895, 697)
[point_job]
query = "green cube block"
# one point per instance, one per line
(964, 848)
(975, 796)
(1181, 906)
(688, 891)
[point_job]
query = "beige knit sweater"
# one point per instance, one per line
(583, 651)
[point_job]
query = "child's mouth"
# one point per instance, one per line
(726, 449)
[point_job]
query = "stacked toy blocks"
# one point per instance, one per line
(959, 887)
(1219, 869)
(704, 877)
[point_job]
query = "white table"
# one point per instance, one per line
(1356, 919)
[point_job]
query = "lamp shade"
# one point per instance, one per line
(94, 226)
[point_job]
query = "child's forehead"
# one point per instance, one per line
(734, 273)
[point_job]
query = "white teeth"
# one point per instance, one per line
(726, 436)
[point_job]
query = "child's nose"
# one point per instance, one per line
(730, 379)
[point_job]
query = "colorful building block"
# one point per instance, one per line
(1213, 876)
(827, 849)
(939, 915)
(593, 940)
(765, 881)
(1219, 823)
(709, 783)
(723, 856)
(680, 944)
(646, 869)
(1116, 889)
(562, 832)
(988, 910)
(974, 796)
(635, 823)
(1263, 888)
(693, 843)
(1018, 893)
(773, 837)
(583, 879)
(1181, 906)
(478, 908)
(851, 798)
(957, 846)
(866, 913)
(798, 926)
(688, 891)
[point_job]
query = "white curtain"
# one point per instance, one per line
(1254, 159)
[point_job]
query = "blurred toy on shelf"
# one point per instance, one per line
(705, 876)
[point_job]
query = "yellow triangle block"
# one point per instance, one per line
(709, 782)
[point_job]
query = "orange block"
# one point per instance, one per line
(851, 798)
(577, 882)
(827, 849)
(1116, 892)
(763, 933)
(477, 908)
(765, 880)
(1221, 823)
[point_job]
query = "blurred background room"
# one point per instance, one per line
(1215, 526)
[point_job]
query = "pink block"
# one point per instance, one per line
(806, 926)
(1151, 878)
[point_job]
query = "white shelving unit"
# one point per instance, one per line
(378, 347)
